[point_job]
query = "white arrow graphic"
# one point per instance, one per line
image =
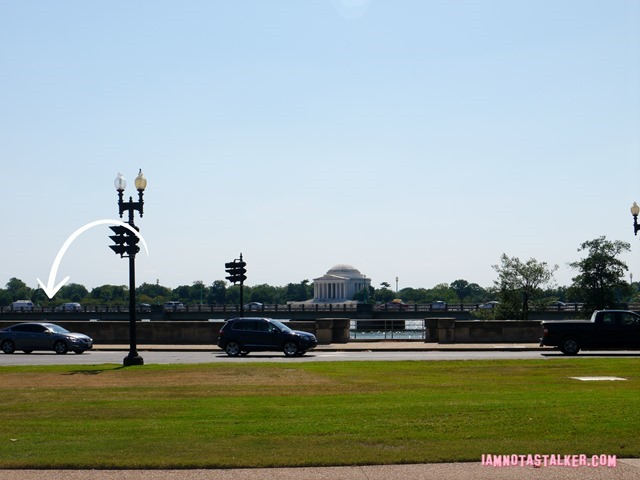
(51, 288)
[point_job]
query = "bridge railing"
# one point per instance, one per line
(297, 307)
(462, 307)
(269, 308)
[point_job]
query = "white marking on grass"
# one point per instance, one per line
(597, 379)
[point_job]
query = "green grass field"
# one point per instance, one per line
(305, 414)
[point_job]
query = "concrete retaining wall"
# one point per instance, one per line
(327, 330)
(450, 330)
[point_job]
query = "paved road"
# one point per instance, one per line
(380, 351)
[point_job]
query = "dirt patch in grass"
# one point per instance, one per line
(114, 377)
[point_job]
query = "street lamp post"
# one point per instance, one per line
(133, 358)
(635, 210)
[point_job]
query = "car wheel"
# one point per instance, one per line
(8, 346)
(233, 349)
(570, 346)
(60, 347)
(291, 349)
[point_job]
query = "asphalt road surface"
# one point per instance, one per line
(99, 357)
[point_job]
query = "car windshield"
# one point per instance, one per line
(57, 329)
(281, 326)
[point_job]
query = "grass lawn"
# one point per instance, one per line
(304, 414)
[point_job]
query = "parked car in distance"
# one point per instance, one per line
(144, 307)
(240, 336)
(254, 306)
(396, 304)
(69, 307)
(491, 304)
(557, 304)
(439, 305)
(22, 306)
(174, 307)
(43, 336)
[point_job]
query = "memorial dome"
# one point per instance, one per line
(344, 270)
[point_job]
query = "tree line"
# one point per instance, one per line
(521, 286)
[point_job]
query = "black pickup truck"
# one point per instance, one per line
(607, 329)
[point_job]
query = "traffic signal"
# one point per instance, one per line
(132, 242)
(126, 242)
(120, 239)
(236, 271)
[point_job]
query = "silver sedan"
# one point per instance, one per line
(43, 336)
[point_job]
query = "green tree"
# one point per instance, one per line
(217, 292)
(233, 295)
(443, 292)
(521, 282)
(5, 298)
(461, 287)
(153, 290)
(110, 295)
(384, 294)
(601, 282)
(298, 292)
(73, 292)
(264, 294)
(18, 290)
(365, 295)
(182, 293)
(40, 298)
(413, 295)
(468, 292)
(198, 292)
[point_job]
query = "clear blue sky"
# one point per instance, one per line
(410, 139)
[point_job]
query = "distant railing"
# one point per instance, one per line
(461, 307)
(296, 307)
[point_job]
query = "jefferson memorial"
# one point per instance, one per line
(339, 285)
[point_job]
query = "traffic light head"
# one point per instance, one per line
(236, 271)
(125, 241)
(119, 249)
(119, 230)
(132, 243)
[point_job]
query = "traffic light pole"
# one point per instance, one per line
(126, 243)
(133, 358)
(236, 273)
(242, 299)
(241, 275)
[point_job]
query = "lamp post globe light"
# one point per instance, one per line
(635, 210)
(126, 246)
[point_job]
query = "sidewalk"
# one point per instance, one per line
(626, 469)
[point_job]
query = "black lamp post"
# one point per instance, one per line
(635, 210)
(133, 358)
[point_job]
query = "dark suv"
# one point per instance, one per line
(240, 336)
